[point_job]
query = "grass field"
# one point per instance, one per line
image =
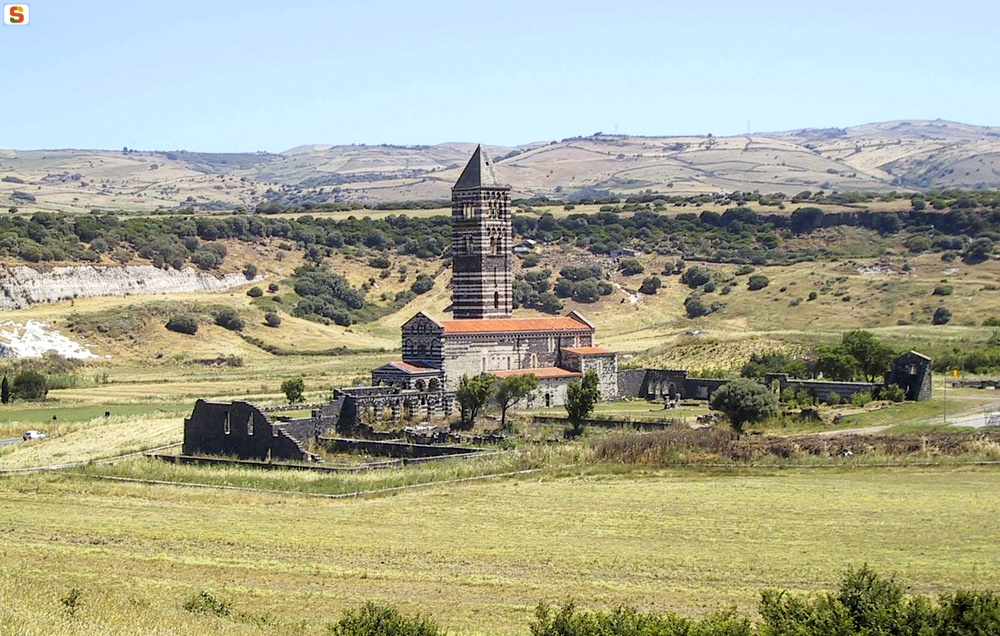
(479, 556)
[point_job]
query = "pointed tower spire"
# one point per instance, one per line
(478, 172)
(482, 262)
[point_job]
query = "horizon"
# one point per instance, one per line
(244, 77)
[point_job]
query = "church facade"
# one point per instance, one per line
(484, 336)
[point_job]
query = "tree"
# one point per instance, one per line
(836, 364)
(512, 390)
(29, 385)
(472, 395)
(873, 357)
(581, 398)
(743, 401)
(250, 271)
(695, 277)
(293, 388)
(255, 292)
(272, 319)
(5, 390)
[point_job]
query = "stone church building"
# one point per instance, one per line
(484, 336)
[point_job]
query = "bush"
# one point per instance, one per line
(943, 290)
(743, 270)
(812, 296)
(833, 399)
(272, 319)
(272, 287)
(422, 285)
(861, 398)
(250, 271)
(182, 324)
(758, 281)
(379, 262)
(709, 287)
(650, 285)
(941, 316)
(694, 307)
(382, 620)
(531, 260)
(255, 292)
(205, 603)
(695, 277)
(630, 267)
(893, 393)
(993, 321)
(229, 319)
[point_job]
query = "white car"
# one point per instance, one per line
(33, 435)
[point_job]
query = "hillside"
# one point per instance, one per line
(885, 156)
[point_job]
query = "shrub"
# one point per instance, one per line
(272, 287)
(250, 271)
(630, 267)
(650, 285)
(992, 321)
(709, 287)
(382, 620)
(833, 399)
(205, 602)
(379, 262)
(229, 319)
(695, 277)
(942, 290)
(694, 307)
(861, 398)
(812, 295)
(743, 270)
(182, 324)
(941, 316)
(255, 292)
(893, 393)
(422, 285)
(272, 319)
(758, 281)
(531, 260)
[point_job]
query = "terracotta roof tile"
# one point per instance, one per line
(406, 367)
(542, 373)
(588, 351)
(565, 323)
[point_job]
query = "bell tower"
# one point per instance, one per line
(480, 243)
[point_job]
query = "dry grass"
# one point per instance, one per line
(479, 556)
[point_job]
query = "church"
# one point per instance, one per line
(483, 335)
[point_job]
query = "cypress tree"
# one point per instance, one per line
(5, 390)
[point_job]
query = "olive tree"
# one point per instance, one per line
(744, 400)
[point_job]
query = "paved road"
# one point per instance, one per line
(13, 440)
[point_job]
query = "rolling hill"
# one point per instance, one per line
(892, 155)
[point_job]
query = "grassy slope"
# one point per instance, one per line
(666, 541)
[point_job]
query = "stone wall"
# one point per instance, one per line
(821, 389)
(238, 429)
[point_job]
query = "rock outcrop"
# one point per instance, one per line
(22, 286)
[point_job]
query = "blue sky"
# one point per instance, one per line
(248, 75)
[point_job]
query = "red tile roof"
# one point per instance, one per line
(587, 351)
(541, 373)
(410, 368)
(566, 323)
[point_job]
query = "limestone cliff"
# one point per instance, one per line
(22, 286)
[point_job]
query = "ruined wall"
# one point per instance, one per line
(821, 389)
(238, 429)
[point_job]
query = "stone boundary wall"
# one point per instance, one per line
(394, 449)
